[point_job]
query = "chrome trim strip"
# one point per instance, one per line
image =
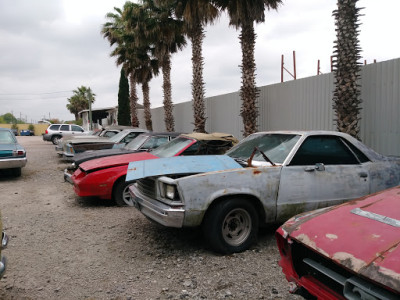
(376, 217)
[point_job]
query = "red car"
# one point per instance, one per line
(350, 251)
(105, 177)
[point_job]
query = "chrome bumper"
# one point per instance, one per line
(67, 176)
(9, 163)
(67, 156)
(156, 210)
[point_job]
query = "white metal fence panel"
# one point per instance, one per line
(306, 104)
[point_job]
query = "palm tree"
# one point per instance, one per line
(242, 15)
(139, 23)
(346, 69)
(195, 15)
(80, 100)
(166, 34)
(116, 32)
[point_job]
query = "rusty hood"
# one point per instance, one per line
(362, 235)
(180, 165)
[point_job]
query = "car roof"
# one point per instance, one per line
(219, 136)
(162, 133)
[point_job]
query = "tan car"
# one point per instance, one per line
(4, 242)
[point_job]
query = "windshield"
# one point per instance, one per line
(137, 142)
(172, 148)
(116, 138)
(275, 146)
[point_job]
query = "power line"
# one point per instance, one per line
(30, 99)
(35, 94)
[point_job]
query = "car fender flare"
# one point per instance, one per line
(224, 194)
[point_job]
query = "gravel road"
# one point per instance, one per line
(65, 247)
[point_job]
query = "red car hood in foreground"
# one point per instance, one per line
(117, 160)
(362, 235)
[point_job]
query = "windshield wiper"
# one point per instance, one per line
(262, 154)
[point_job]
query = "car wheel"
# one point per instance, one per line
(231, 225)
(121, 193)
(55, 139)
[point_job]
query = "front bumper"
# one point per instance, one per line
(156, 210)
(67, 175)
(9, 163)
(67, 156)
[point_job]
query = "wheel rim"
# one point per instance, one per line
(126, 196)
(55, 140)
(236, 227)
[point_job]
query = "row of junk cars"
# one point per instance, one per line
(338, 200)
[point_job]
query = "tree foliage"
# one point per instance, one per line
(80, 100)
(124, 115)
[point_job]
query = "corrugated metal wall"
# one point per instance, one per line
(306, 104)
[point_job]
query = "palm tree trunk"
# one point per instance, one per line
(346, 96)
(168, 107)
(248, 90)
(133, 99)
(146, 104)
(197, 37)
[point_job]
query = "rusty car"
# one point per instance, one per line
(349, 251)
(267, 178)
(105, 177)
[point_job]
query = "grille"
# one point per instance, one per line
(309, 263)
(147, 186)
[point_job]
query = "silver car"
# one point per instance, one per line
(267, 178)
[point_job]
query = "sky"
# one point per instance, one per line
(48, 48)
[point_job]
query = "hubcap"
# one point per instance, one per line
(236, 227)
(126, 196)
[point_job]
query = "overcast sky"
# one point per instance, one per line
(50, 47)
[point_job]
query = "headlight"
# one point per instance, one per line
(170, 191)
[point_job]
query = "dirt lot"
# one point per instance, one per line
(65, 247)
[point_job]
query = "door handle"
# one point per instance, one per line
(363, 174)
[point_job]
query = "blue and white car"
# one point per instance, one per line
(12, 154)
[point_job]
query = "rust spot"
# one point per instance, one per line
(256, 172)
(133, 169)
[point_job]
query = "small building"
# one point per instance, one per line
(101, 117)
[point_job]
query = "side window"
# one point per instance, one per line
(64, 128)
(76, 128)
(54, 127)
(110, 133)
(130, 136)
(361, 156)
(192, 150)
(329, 150)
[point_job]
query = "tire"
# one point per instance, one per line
(231, 225)
(16, 172)
(121, 194)
(55, 139)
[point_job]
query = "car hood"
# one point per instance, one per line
(113, 161)
(79, 140)
(90, 154)
(362, 235)
(180, 165)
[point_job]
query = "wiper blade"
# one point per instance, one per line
(266, 158)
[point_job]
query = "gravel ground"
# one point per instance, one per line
(65, 247)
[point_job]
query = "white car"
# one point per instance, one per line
(55, 132)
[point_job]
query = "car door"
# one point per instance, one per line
(76, 130)
(325, 170)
